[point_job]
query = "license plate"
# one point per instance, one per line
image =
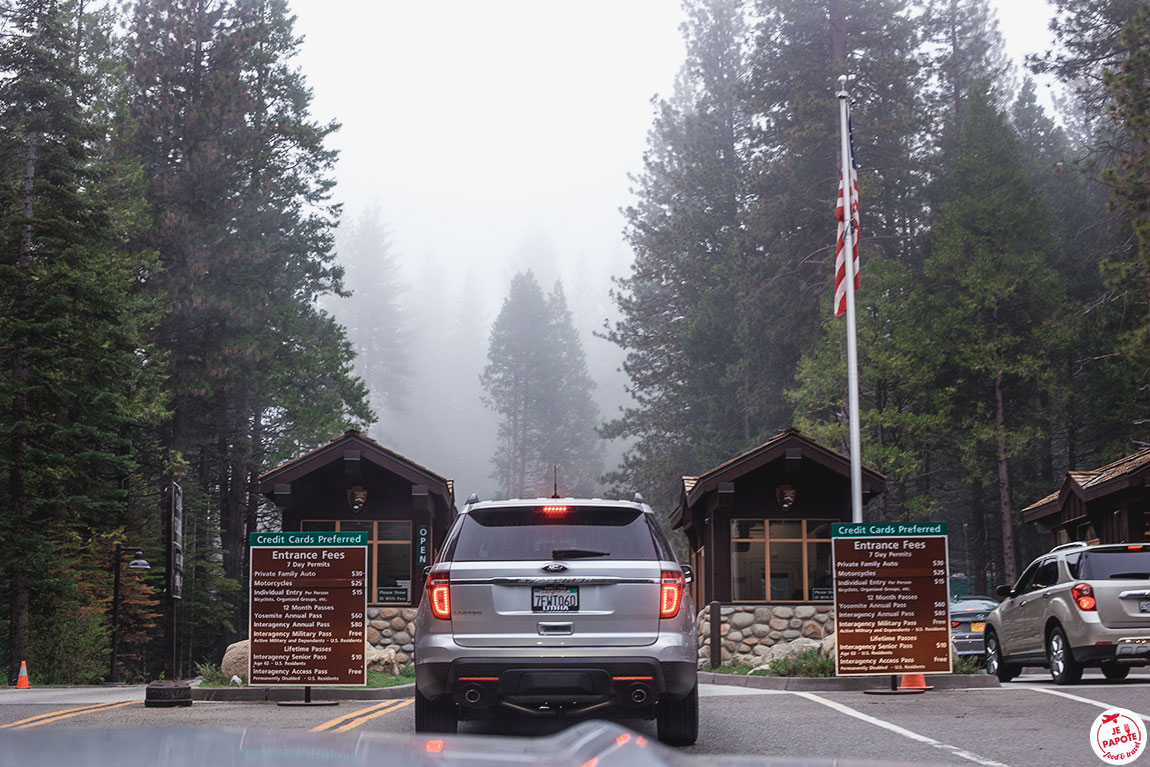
(1144, 605)
(555, 599)
(978, 628)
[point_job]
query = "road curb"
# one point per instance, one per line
(832, 684)
(296, 693)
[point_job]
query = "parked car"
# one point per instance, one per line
(968, 625)
(552, 607)
(1078, 606)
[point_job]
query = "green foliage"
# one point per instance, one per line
(210, 675)
(962, 664)
(739, 669)
(807, 663)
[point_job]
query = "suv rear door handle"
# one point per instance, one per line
(555, 629)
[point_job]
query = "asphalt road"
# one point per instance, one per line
(1024, 723)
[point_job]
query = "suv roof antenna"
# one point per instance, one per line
(555, 468)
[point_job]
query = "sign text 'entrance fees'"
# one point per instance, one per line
(891, 609)
(307, 614)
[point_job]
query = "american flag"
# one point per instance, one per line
(840, 258)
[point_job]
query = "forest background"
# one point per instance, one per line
(182, 299)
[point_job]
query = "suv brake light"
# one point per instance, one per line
(671, 593)
(439, 592)
(1083, 596)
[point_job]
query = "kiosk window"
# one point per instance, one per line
(786, 560)
(388, 556)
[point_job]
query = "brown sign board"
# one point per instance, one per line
(308, 601)
(892, 613)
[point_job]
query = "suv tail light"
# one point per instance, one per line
(439, 592)
(671, 593)
(1083, 596)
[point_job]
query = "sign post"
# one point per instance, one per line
(892, 608)
(308, 601)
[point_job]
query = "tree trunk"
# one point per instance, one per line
(20, 632)
(975, 540)
(1004, 482)
(838, 35)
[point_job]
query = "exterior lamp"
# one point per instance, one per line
(138, 563)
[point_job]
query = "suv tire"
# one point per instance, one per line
(1115, 671)
(438, 715)
(995, 665)
(678, 718)
(1063, 668)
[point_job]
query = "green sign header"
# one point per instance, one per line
(891, 529)
(308, 539)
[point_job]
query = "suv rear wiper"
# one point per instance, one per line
(577, 553)
(1116, 576)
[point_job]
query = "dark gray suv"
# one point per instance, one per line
(557, 606)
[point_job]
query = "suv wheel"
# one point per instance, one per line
(1115, 671)
(678, 718)
(438, 715)
(995, 665)
(1063, 668)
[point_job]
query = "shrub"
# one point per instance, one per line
(807, 663)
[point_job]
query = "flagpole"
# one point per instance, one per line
(852, 339)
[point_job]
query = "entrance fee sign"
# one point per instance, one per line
(892, 609)
(308, 601)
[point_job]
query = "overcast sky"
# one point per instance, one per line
(493, 131)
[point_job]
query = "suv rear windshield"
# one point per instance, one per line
(1107, 564)
(581, 532)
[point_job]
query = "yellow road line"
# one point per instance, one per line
(68, 713)
(352, 715)
(90, 707)
(357, 722)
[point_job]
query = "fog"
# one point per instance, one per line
(494, 137)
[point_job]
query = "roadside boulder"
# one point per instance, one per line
(235, 662)
(787, 650)
(384, 660)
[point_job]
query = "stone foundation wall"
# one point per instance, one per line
(748, 632)
(392, 627)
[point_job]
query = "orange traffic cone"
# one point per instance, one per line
(913, 682)
(22, 680)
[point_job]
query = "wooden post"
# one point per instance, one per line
(716, 647)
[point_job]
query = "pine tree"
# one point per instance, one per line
(995, 302)
(243, 223)
(76, 381)
(375, 318)
(678, 323)
(536, 380)
(570, 441)
(1130, 278)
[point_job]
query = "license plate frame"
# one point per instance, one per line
(978, 627)
(555, 599)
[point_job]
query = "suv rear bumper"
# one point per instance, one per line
(1133, 649)
(623, 681)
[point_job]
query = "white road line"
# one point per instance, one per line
(717, 690)
(955, 750)
(1097, 703)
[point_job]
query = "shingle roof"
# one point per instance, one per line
(1092, 483)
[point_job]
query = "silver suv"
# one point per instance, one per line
(557, 606)
(1077, 606)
